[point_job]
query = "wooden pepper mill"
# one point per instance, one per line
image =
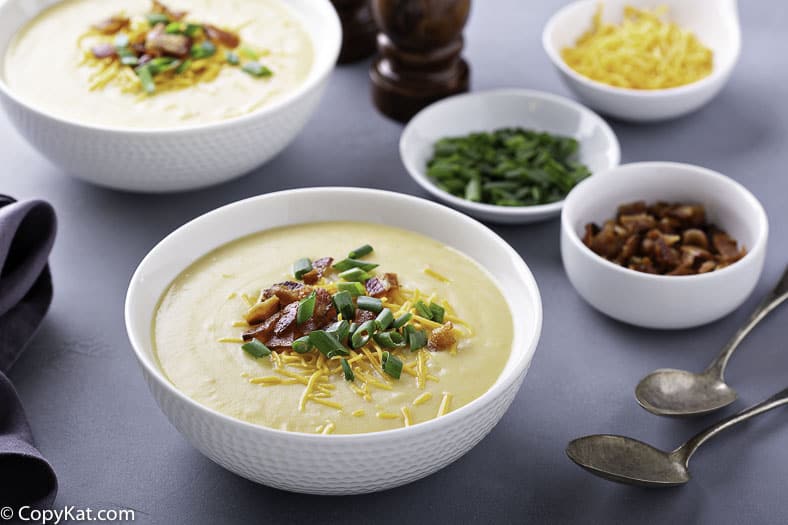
(359, 31)
(419, 62)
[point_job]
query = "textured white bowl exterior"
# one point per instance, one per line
(320, 464)
(173, 159)
(491, 110)
(715, 22)
(660, 301)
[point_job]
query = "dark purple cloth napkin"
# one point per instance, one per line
(27, 232)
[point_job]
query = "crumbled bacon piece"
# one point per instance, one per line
(362, 316)
(264, 330)
(159, 7)
(319, 268)
(287, 319)
(103, 51)
(220, 36)
(380, 286)
(288, 292)
(159, 42)
(442, 338)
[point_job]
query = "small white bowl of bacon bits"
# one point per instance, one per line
(663, 245)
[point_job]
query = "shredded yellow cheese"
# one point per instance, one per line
(358, 413)
(445, 405)
(406, 416)
(423, 398)
(310, 385)
(236, 340)
(435, 275)
(387, 415)
(642, 52)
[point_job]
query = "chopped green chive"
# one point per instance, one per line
(343, 301)
(327, 343)
(347, 264)
(438, 312)
(183, 67)
(256, 349)
(340, 330)
(355, 274)
(389, 339)
(157, 18)
(203, 50)
(384, 319)
(192, 29)
(391, 365)
(355, 289)
(402, 320)
(370, 304)
(146, 79)
(175, 28)
(361, 251)
(346, 369)
(162, 64)
(416, 339)
(301, 267)
(306, 308)
(302, 345)
(362, 334)
(232, 58)
(256, 69)
(423, 310)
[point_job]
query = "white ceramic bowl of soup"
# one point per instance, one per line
(337, 463)
(152, 159)
(492, 110)
(714, 22)
(663, 301)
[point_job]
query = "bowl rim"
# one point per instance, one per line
(761, 220)
(717, 74)
(420, 176)
(315, 77)
(495, 391)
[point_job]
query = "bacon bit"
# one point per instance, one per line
(159, 42)
(103, 51)
(111, 25)
(363, 316)
(262, 310)
(159, 7)
(226, 38)
(262, 331)
(379, 286)
(287, 319)
(442, 338)
(319, 268)
(288, 292)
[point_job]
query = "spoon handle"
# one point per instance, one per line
(685, 451)
(775, 298)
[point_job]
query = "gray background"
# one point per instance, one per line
(95, 420)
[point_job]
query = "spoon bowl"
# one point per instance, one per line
(669, 392)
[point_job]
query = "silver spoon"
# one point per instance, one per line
(669, 392)
(627, 460)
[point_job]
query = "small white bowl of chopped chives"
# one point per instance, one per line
(506, 156)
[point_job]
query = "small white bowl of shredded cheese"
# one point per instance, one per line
(715, 24)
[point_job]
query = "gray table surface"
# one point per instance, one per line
(95, 420)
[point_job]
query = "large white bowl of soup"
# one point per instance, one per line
(148, 96)
(333, 340)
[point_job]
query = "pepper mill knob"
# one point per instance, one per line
(358, 30)
(419, 62)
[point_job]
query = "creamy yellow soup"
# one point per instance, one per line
(45, 65)
(198, 325)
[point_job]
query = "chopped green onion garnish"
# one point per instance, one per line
(391, 365)
(402, 320)
(249, 53)
(146, 79)
(340, 330)
(389, 339)
(192, 29)
(232, 58)
(301, 267)
(371, 304)
(344, 304)
(175, 27)
(353, 328)
(203, 50)
(327, 343)
(347, 264)
(346, 369)
(157, 18)
(183, 67)
(355, 274)
(416, 338)
(256, 69)
(162, 64)
(302, 345)
(362, 334)
(423, 310)
(361, 251)
(256, 349)
(384, 319)
(438, 312)
(306, 308)
(355, 289)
